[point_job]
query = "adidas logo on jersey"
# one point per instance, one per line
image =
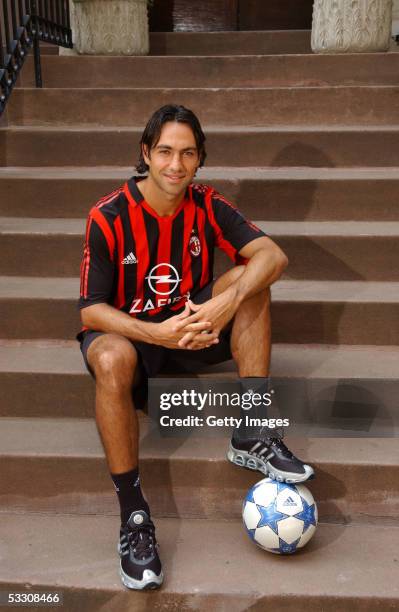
(289, 502)
(129, 259)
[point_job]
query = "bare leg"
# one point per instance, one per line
(114, 361)
(251, 333)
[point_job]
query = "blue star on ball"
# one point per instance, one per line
(307, 515)
(269, 516)
(285, 548)
(251, 533)
(250, 496)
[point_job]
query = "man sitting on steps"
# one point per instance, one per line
(147, 295)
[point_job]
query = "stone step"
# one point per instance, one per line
(304, 312)
(271, 106)
(317, 146)
(228, 572)
(229, 71)
(230, 43)
(340, 250)
(53, 372)
(47, 49)
(314, 194)
(58, 465)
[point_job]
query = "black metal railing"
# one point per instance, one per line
(23, 23)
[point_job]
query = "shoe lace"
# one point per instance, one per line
(141, 539)
(281, 447)
(265, 434)
(277, 443)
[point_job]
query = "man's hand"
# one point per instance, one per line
(219, 311)
(170, 332)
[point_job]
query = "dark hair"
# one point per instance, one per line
(152, 131)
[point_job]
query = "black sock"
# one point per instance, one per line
(253, 385)
(130, 495)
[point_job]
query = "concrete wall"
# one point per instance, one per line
(395, 17)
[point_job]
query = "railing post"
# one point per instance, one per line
(36, 45)
(24, 23)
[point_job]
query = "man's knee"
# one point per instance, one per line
(113, 359)
(259, 300)
(265, 295)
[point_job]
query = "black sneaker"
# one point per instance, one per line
(140, 566)
(269, 456)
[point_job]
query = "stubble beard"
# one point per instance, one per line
(169, 190)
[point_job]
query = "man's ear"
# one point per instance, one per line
(146, 155)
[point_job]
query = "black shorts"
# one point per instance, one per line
(154, 359)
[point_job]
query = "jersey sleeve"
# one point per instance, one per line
(97, 269)
(233, 231)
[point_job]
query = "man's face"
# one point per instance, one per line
(174, 159)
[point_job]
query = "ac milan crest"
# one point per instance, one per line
(194, 246)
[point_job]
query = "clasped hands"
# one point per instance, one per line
(199, 325)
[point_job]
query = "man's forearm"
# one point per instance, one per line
(261, 271)
(106, 318)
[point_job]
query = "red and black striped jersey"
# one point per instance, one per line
(147, 265)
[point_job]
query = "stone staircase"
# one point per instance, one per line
(308, 147)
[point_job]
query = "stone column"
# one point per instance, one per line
(351, 26)
(110, 27)
(395, 17)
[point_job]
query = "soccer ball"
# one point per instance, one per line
(279, 517)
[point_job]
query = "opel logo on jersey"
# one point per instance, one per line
(161, 274)
(194, 246)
